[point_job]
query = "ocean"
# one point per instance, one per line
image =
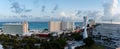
(39, 25)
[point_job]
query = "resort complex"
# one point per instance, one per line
(59, 24)
(105, 34)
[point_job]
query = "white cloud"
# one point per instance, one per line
(63, 14)
(110, 9)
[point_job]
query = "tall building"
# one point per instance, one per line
(66, 25)
(54, 26)
(15, 28)
(25, 27)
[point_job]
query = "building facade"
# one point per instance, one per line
(107, 34)
(67, 25)
(55, 26)
(15, 28)
(25, 27)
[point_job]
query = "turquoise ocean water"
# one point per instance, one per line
(39, 25)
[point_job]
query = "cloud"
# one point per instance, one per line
(28, 10)
(78, 13)
(96, 15)
(63, 14)
(10, 0)
(24, 16)
(17, 8)
(43, 8)
(36, 3)
(55, 8)
(110, 9)
(109, 12)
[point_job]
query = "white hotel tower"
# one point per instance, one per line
(56, 26)
(15, 28)
(85, 35)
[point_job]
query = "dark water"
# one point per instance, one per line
(39, 25)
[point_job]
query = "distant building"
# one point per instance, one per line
(66, 25)
(15, 28)
(91, 22)
(25, 27)
(56, 26)
(107, 34)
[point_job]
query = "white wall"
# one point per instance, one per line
(13, 29)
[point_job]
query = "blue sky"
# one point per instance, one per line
(36, 6)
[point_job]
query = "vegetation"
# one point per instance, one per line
(94, 46)
(14, 42)
(30, 42)
(88, 41)
(89, 44)
(59, 43)
(77, 36)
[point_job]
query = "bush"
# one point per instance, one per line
(77, 36)
(59, 43)
(88, 41)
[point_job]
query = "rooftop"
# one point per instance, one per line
(12, 24)
(108, 22)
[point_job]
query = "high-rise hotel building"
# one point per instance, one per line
(66, 25)
(15, 28)
(55, 26)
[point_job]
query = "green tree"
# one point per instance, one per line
(59, 43)
(88, 41)
(77, 36)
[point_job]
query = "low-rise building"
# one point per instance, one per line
(107, 34)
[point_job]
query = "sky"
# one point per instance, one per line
(45, 10)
